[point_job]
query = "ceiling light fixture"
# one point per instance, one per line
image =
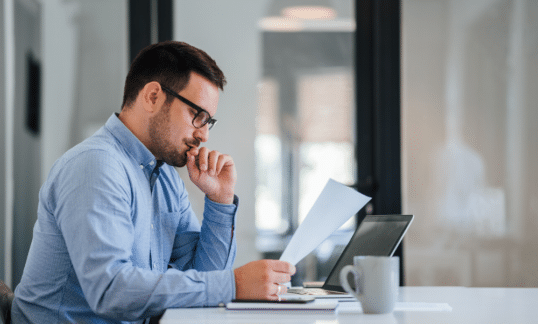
(309, 12)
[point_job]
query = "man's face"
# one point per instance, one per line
(171, 130)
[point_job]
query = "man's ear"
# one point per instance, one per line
(153, 97)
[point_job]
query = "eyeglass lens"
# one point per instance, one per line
(200, 119)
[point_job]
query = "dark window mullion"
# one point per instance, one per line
(165, 23)
(377, 82)
(140, 22)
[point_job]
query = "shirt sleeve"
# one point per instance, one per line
(214, 247)
(93, 212)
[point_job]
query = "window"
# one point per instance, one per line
(305, 124)
(468, 141)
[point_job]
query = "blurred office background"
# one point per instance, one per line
(291, 117)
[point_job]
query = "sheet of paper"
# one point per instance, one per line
(334, 206)
(355, 307)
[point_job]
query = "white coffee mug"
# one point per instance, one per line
(377, 279)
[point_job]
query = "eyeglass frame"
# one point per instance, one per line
(210, 120)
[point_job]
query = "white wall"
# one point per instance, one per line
(103, 64)
(60, 34)
(85, 65)
(228, 31)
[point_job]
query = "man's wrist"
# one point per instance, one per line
(222, 199)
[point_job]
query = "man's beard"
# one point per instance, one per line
(159, 134)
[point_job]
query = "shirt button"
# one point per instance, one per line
(141, 166)
(154, 265)
(152, 163)
(152, 226)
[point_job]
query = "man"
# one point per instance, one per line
(116, 238)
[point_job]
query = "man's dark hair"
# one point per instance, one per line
(170, 63)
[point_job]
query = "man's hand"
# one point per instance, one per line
(214, 173)
(262, 279)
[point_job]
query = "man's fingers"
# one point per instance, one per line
(212, 162)
(193, 151)
(261, 279)
(222, 161)
(280, 277)
(281, 289)
(283, 266)
(203, 158)
(191, 165)
(272, 297)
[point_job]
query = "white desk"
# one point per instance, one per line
(469, 305)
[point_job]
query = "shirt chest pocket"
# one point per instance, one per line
(168, 225)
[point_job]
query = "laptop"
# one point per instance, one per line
(377, 235)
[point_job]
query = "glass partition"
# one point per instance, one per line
(469, 130)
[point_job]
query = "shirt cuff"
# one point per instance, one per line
(217, 289)
(215, 211)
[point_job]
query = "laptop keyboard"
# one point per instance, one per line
(313, 291)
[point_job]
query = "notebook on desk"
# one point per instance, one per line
(377, 235)
(318, 304)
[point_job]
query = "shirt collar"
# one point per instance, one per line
(132, 145)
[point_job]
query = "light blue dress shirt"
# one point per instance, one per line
(116, 239)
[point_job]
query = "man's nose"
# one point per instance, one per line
(202, 134)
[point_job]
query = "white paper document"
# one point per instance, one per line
(334, 206)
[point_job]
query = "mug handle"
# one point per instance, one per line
(344, 279)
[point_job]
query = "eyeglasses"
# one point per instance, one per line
(201, 118)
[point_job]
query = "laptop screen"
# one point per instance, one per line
(377, 235)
